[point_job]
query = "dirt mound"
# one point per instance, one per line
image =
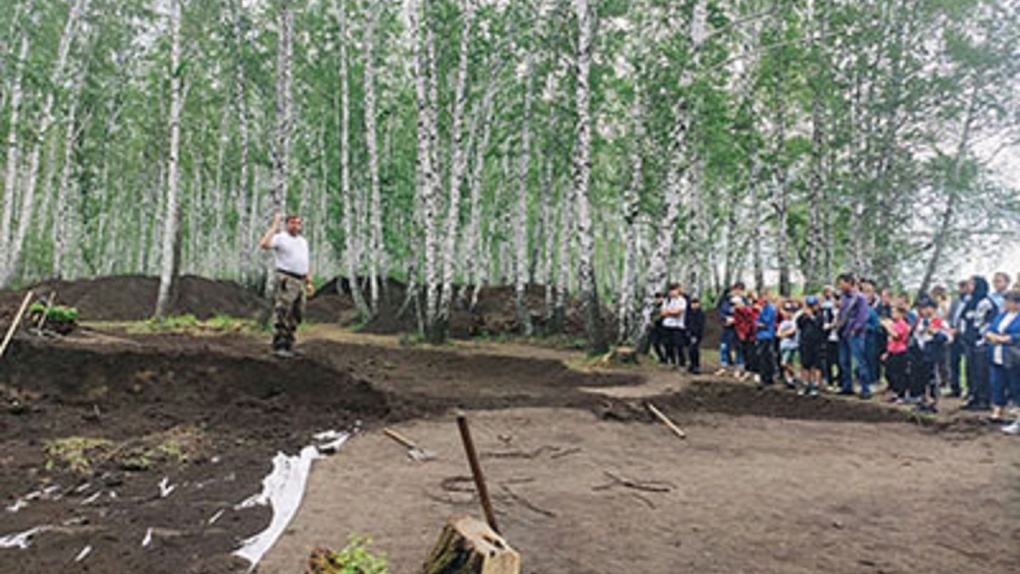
(164, 395)
(223, 383)
(742, 399)
(133, 297)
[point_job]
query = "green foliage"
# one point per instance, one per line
(356, 558)
(76, 454)
(56, 313)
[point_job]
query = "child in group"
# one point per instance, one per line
(744, 319)
(895, 356)
(695, 331)
(927, 339)
(810, 324)
(788, 343)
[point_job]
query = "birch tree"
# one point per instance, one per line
(375, 242)
(521, 209)
(350, 234)
(171, 235)
(582, 180)
(458, 163)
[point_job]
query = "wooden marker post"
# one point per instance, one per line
(14, 325)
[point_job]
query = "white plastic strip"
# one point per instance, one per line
(283, 490)
(21, 539)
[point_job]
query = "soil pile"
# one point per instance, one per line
(494, 313)
(208, 416)
(333, 303)
(133, 297)
(741, 399)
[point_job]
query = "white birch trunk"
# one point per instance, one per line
(46, 120)
(245, 223)
(371, 143)
(630, 208)
(350, 233)
(428, 180)
(474, 260)
(11, 175)
(458, 163)
(171, 236)
(521, 212)
(582, 180)
(284, 120)
(63, 226)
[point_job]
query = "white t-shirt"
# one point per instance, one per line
(675, 304)
(792, 342)
(290, 253)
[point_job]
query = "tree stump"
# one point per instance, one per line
(469, 546)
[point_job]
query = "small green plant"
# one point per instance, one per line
(356, 558)
(74, 453)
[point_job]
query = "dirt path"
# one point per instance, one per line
(742, 494)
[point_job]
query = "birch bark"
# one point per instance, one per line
(375, 241)
(171, 235)
(27, 209)
(521, 212)
(11, 175)
(458, 164)
(350, 233)
(582, 180)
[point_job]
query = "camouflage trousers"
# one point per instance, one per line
(289, 309)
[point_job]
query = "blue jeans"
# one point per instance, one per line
(1004, 380)
(852, 354)
(728, 345)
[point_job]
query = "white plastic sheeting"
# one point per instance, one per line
(21, 539)
(283, 490)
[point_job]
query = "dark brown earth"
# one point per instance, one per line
(133, 298)
(229, 407)
(236, 406)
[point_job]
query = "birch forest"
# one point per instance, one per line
(595, 149)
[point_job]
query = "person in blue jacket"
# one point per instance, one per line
(766, 341)
(1003, 338)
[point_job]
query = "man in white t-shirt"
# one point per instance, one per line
(674, 315)
(293, 280)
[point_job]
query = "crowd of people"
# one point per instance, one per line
(854, 338)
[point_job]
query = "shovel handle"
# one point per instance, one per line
(399, 438)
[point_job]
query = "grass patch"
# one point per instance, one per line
(356, 558)
(76, 454)
(191, 325)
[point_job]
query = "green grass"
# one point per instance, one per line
(356, 558)
(76, 453)
(188, 323)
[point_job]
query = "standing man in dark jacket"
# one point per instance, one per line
(695, 332)
(978, 315)
(851, 323)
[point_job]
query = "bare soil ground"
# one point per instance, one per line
(584, 480)
(752, 494)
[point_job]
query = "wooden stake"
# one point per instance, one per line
(14, 325)
(49, 305)
(665, 420)
(476, 471)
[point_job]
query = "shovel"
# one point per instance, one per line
(414, 452)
